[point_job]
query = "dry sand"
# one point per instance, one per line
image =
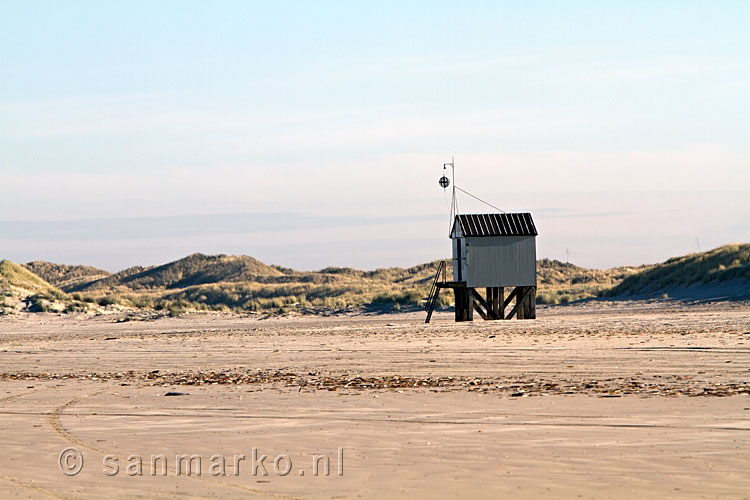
(599, 400)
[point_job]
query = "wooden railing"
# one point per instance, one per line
(435, 290)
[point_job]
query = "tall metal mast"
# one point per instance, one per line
(444, 183)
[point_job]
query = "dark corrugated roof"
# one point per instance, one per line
(496, 225)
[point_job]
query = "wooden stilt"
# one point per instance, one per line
(532, 304)
(480, 311)
(464, 303)
(459, 296)
(495, 304)
(482, 306)
(510, 297)
(521, 297)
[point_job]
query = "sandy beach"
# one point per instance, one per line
(595, 400)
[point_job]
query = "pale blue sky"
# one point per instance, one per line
(622, 126)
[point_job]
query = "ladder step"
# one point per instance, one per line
(432, 306)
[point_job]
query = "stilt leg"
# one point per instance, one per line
(532, 304)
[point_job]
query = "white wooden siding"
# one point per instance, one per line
(497, 261)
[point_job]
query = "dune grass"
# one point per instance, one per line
(14, 275)
(192, 270)
(20, 285)
(240, 283)
(562, 282)
(728, 262)
(65, 277)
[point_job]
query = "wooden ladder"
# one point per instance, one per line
(434, 291)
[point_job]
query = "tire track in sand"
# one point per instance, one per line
(36, 489)
(5, 399)
(20, 482)
(53, 420)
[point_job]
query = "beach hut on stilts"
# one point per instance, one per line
(492, 252)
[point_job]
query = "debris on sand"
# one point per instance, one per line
(664, 385)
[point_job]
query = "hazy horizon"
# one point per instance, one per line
(290, 240)
(313, 134)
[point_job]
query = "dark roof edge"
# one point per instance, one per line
(495, 224)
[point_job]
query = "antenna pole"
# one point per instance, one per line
(454, 203)
(453, 173)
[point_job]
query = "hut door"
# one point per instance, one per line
(458, 258)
